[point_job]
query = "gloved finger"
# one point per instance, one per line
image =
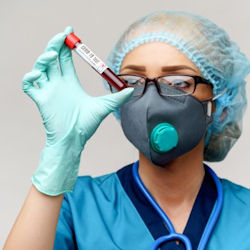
(28, 83)
(53, 69)
(116, 100)
(65, 56)
(66, 62)
(57, 41)
(47, 63)
(65, 51)
(43, 78)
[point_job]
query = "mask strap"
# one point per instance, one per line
(209, 108)
(209, 102)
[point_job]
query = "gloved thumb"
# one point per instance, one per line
(28, 83)
(116, 100)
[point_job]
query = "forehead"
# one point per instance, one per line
(157, 54)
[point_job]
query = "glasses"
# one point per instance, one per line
(167, 85)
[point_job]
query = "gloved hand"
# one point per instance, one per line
(70, 116)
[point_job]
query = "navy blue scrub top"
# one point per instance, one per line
(198, 218)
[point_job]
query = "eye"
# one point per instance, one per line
(180, 84)
(132, 80)
(178, 81)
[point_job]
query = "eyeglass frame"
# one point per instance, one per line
(197, 80)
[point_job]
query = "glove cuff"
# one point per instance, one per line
(58, 168)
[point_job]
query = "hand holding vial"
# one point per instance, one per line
(70, 116)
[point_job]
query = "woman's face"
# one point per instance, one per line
(157, 59)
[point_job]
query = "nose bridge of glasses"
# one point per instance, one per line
(151, 81)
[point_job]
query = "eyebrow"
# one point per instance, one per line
(164, 68)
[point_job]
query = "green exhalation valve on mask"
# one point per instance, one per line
(163, 138)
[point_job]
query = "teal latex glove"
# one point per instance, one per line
(70, 116)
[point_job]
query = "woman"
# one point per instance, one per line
(184, 105)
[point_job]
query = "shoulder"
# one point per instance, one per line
(95, 191)
(234, 218)
(87, 183)
(233, 226)
(87, 180)
(236, 192)
(103, 185)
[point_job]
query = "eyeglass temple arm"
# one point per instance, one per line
(217, 96)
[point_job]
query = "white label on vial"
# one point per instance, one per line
(83, 51)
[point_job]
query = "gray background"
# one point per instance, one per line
(26, 26)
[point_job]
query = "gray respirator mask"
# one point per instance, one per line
(163, 128)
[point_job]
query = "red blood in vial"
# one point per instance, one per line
(113, 79)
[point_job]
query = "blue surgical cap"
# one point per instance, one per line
(213, 52)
